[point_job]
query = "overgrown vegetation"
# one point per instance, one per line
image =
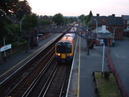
(107, 87)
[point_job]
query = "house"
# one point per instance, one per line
(114, 24)
(126, 20)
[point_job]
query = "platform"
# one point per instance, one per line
(81, 81)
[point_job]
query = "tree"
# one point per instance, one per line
(23, 8)
(15, 7)
(58, 19)
(82, 18)
(88, 18)
(45, 20)
(9, 9)
(4, 23)
(30, 22)
(68, 20)
(9, 6)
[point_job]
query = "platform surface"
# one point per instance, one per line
(81, 82)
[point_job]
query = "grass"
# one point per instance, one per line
(107, 88)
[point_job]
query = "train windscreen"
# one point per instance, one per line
(64, 48)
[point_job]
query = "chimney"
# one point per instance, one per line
(97, 14)
(113, 15)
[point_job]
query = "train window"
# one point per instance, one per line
(64, 48)
(68, 48)
(60, 49)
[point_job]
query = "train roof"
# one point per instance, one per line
(70, 35)
(67, 38)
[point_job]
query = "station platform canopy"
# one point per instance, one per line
(102, 32)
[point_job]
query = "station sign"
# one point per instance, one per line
(5, 47)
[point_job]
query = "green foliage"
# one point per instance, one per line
(12, 11)
(9, 6)
(15, 7)
(19, 43)
(107, 88)
(58, 19)
(4, 25)
(68, 20)
(30, 22)
(88, 18)
(82, 17)
(23, 8)
(45, 22)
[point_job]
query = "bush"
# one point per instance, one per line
(106, 75)
(19, 43)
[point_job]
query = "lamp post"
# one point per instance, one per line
(96, 24)
(103, 57)
(114, 32)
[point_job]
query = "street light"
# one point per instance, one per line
(114, 32)
(103, 57)
(96, 24)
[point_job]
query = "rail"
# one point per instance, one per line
(10, 83)
(7, 75)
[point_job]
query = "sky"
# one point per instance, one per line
(79, 7)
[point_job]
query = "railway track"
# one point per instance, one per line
(52, 84)
(41, 81)
(16, 88)
(41, 77)
(58, 85)
(10, 85)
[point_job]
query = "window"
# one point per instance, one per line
(64, 48)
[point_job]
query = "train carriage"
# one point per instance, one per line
(64, 49)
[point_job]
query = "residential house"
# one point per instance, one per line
(126, 20)
(114, 24)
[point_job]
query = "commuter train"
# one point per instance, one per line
(64, 49)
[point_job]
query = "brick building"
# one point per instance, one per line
(126, 20)
(115, 25)
(103, 35)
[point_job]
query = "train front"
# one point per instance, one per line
(64, 50)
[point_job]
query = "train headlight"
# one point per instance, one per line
(58, 54)
(71, 54)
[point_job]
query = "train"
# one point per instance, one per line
(64, 48)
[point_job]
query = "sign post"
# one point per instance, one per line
(5, 47)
